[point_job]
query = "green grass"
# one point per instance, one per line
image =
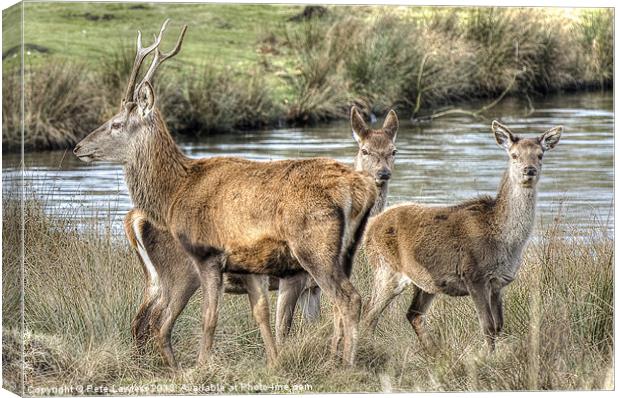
(252, 66)
(83, 286)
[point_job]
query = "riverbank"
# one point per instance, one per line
(247, 66)
(83, 286)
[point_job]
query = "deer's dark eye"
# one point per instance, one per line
(116, 125)
(364, 152)
(514, 156)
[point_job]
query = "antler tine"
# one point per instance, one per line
(141, 53)
(160, 57)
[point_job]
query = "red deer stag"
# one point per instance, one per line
(473, 248)
(235, 215)
(172, 278)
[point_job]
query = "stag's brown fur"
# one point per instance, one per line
(473, 248)
(169, 255)
(312, 211)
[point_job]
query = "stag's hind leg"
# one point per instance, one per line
(322, 258)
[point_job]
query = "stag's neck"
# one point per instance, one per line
(381, 201)
(515, 211)
(155, 172)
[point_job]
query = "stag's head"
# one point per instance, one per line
(526, 154)
(114, 140)
(376, 151)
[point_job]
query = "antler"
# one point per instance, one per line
(160, 57)
(141, 53)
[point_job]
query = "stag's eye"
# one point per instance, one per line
(514, 156)
(364, 152)
(116, 125)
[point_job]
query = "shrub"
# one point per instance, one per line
(60, 106)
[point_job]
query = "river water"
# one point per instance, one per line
(443, 162)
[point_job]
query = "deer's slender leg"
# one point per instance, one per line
(288, 293)
(498, 312)
(347, 302)
(387, 285)
(420, 303)
(258, 293)
(178, 293)
(480, 293)
(310, 304)
(321, 255)
(339, 332)
(141, 323)
(210, 271)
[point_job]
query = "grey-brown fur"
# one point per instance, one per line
(219, 208)
(376, 152)
(473, 248)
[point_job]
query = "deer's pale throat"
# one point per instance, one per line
(515, 211)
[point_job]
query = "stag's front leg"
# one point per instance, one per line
(258, 293)
(211, 275)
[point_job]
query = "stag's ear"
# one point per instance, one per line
(146, 99)
(390, 125)
(358, 125)
(550, 138)
(503, 136)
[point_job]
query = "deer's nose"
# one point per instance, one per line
(531, 171)
(384, 175)
(76, 149)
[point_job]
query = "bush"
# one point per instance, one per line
(217, 101)
(60, 106)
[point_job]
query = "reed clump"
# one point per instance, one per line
(83, 286)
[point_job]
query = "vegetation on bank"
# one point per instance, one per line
(250, 66)
(83, 286)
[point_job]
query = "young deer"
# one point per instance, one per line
(172, 279)
(375, 156)
(235, 215)
(473, 248)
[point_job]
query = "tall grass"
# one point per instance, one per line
(83, 286)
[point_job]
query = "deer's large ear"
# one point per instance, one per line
(390, 125)
(146, 99)
(550, 138)
(358, 126)
(503, 135)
